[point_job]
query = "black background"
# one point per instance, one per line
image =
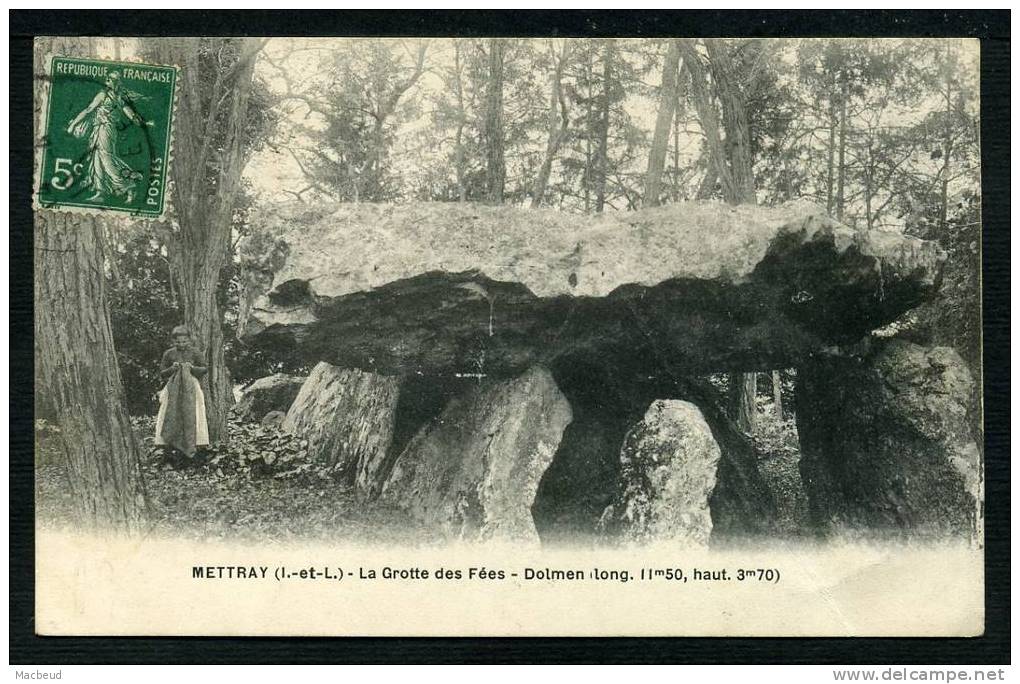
(992, 27)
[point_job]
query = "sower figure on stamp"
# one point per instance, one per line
(181, 425)
(106, 172)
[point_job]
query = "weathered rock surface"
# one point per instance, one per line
(271, 393)
(887, 442)
(668, 471)
(460, 288)
(348, 417)
(474, 471)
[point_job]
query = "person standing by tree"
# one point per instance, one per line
(215, 137)
(181, 425)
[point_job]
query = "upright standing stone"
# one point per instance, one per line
(474, 471)
(347, 416)
(668, 471)
(888, 443)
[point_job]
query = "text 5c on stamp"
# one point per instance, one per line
(106, 142)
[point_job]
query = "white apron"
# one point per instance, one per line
(201, 426)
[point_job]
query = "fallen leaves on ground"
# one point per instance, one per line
(258, 488)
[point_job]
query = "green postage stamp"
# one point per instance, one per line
(106, 137)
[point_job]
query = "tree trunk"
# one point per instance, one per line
(373, 183)
(707, 186)
(589, 127)
(79, 374)
(737, 145)
(558, 123)
(199, 275)
(676, 143)
(459, 160)
(495, 164)
(660, 138)
(947, 148)
(77, 364)
(868, 187)
(777, 393)
(831, 160)
(603, 132)
(210, 147)
(704, 102)
(743, 391)
(841, 184)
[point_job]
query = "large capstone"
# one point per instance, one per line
(450, 289)
(473, 472)
(668, 471)
(889, 444)
(272, 393)
(348, 418)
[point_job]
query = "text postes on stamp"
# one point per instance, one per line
(106, 137)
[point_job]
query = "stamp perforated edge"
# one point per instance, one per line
(41, 114)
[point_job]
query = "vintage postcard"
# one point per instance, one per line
(508, 337)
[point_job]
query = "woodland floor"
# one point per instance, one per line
(261, 489)
(223, 501)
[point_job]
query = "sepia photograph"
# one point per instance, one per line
(508, 336)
